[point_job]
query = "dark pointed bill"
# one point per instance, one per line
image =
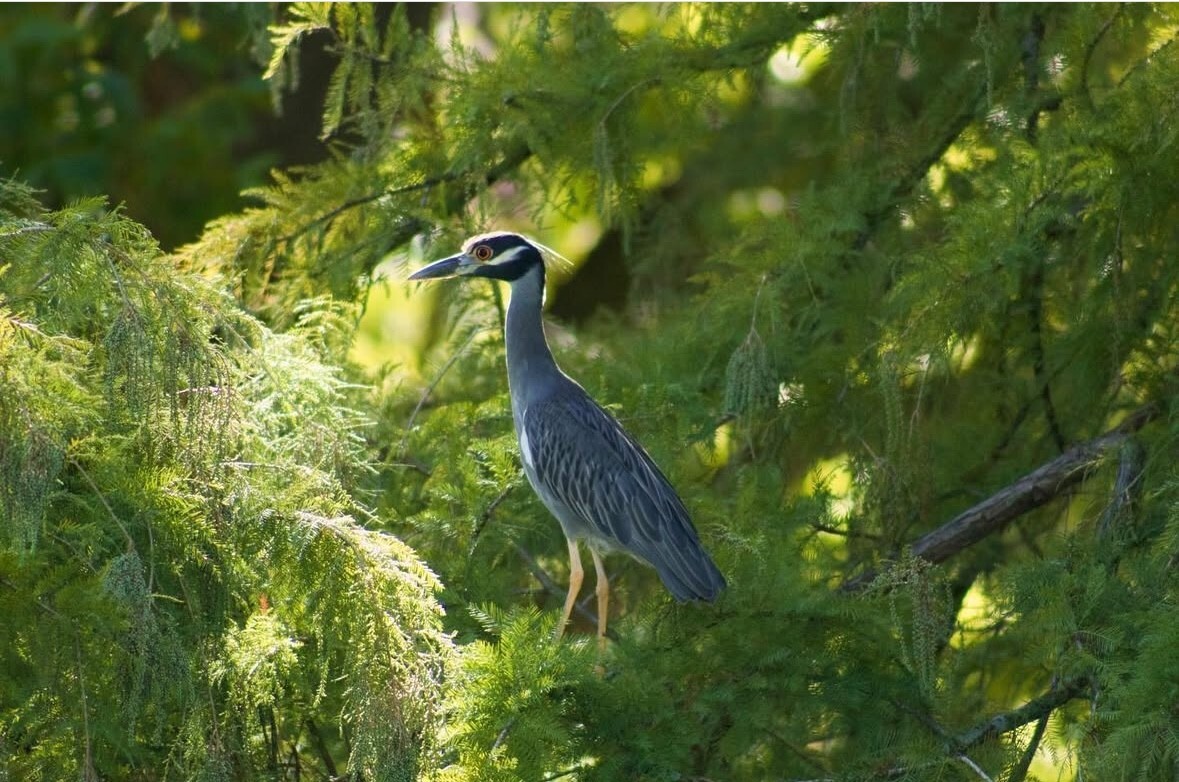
(447, 267)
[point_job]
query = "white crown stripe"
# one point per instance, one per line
(548, 253)
(508, 256)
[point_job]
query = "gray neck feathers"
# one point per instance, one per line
(530, 362)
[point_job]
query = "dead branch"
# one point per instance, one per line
(1035, 489)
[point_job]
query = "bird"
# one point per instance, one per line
(593, 476)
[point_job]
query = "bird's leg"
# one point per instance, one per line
(575, 576)
(603, 589)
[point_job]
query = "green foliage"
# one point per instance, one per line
(856, 270)
(184, 581)
(516, 708)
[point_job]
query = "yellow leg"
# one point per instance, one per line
(603, 589)
(575, 576)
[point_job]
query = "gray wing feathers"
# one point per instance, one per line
(588, 462)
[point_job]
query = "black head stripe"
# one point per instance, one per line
(512, 256)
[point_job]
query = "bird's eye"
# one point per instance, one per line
(482, 253)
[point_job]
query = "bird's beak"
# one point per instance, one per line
(453, 266)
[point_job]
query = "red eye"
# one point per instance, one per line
(482, 253)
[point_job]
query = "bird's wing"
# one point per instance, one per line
(588, 462)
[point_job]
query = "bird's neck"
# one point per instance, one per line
(530, 362)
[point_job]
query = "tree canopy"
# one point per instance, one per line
(889, 291)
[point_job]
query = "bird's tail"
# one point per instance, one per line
(690, 574)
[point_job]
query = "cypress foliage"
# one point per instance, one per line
(186, 588)
(889, 291)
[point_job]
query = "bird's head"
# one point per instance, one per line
(500, 256)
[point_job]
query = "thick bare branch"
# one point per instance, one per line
(1036, 709)
(1031, 491)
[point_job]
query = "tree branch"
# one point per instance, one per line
(1036, 709)
(1020, 771)
(1031, 491)
(512, 159)
(1035, 313)
(1127, 488)
(485, 516)
(329, 765)
(905, 185)
(88, 770)
(450, 362)
(1031, 70)
(1090, 49)
(819, 526)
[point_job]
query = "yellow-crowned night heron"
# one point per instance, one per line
(599, 483)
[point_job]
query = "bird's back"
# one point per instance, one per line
(604, 488)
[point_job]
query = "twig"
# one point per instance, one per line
(618, 101)
(819, 526)
(102, 498)
(1035, 311)
(450, 362)
(368, 198)
(503, 734)
(904, 186)
(412, 465)
(1031, 491)
(797, 751)
(24, 229)
(511, 160)
(1146, 60)
(486, 515)
(1091, 48)
(88, 771)
(39, 602)
(1127, 487)
(973, 767)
